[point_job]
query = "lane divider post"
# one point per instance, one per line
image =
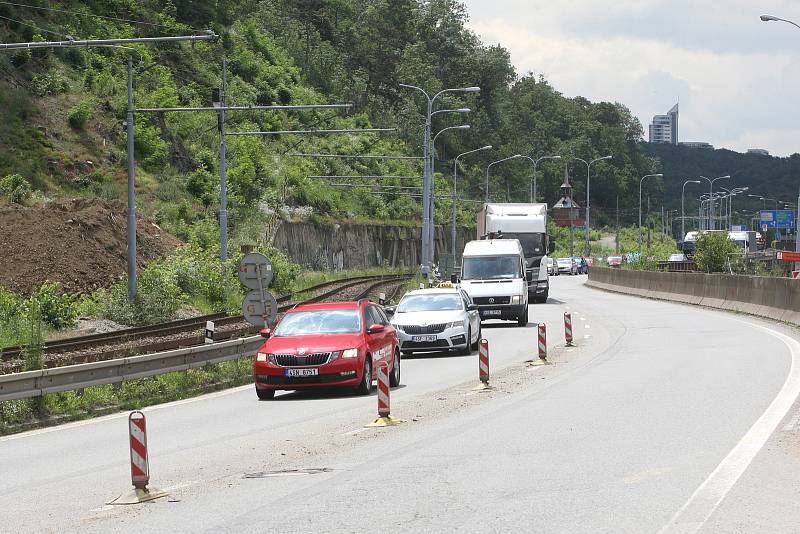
(542, 342)
(568, 329)
(140, 463)
(384, 395)
(483, 365)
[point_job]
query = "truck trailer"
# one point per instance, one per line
(528, 224)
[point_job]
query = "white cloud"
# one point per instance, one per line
(733, 97)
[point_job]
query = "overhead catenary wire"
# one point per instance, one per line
(355, 156)
(81, 14)
(35, 27)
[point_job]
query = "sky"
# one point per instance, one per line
(737, 78)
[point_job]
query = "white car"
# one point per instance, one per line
(437, 319)
(567, 265)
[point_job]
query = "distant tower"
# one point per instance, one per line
(664, 128)
(566, 212)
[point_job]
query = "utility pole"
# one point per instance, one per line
(223, 169)
(616, 249)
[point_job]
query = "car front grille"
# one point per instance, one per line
(438, 344)
(428, 329)
(290, 360)
(484, 301)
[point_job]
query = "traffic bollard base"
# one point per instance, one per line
(385, 421)
(483, 386)
(139, 496)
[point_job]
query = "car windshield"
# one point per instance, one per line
(564, 261)
(490, 267)
(302, 323)
(421, 303)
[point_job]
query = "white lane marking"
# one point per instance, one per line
(706, 498)
(587, 325)
(587, 336)
(583, 318)
(124, 414)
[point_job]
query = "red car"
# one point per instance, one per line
(336, 344)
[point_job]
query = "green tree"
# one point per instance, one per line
(712, 252)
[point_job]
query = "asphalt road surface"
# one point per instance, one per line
(663, 418)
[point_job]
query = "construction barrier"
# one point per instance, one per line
(140, 467)
(483, 361)
(568, 328)
(542, 341)
(383, 390)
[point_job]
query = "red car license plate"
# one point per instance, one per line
(302, 372)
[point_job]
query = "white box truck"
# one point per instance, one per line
(493, 275)
(528, 224)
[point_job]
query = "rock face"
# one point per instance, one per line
(338, 247)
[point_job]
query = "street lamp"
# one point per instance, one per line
(711, 224)
(658, 175)
(427, 233)
(683, 212)
(432, 201)
(515, 156)
(772, 18)
(588, 176)
(455, 195)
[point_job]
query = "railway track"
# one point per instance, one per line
(187, 332)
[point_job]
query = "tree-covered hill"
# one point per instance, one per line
(62, 111)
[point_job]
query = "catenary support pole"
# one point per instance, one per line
(131, 190)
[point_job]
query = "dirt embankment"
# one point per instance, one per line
(81, 243)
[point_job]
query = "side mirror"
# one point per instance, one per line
(376, 329)
(472, 307)
(390, 310)
(265, 333)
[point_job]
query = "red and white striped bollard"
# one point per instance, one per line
(383, 389)
(483, 361)
(140, 466)
(542, 341)
(568, 328)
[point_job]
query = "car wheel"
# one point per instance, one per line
(265, 394)
(476, 345)
(394, 378)
(365, 387)
(467, 349)
(522, 320)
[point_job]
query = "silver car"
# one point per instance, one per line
(437, 319)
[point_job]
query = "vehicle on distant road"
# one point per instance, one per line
(493, 275)
(437, 319)
(583, 266)
(589, 261)
(321, 345)
(615, 261)
(567, 266)
(552, 267)
(677, 257)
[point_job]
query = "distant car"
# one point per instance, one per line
(615, 261)
(437, 319)
(323, 345)
(677, 257)
(552, 267)
(589, 261)
(567, 265)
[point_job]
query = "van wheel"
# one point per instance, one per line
(522, 320)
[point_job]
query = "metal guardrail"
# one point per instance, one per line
(37, 383)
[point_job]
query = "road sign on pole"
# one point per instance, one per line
(260, 309)
(255, 270)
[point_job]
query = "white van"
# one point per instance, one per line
(493, 275)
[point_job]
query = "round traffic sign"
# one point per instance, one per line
(260, 310)
(253, 265)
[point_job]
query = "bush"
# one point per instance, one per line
(57, 309)
(158, 298)
(79, 115)
(51, 83)
(16, 188)
(712, 250)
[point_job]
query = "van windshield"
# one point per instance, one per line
(490, 267)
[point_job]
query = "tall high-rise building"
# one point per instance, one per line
(664, 128)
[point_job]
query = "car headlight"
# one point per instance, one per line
(350, 353)
(516, 299)
(262, 356)
(454, 324)
(398, 327)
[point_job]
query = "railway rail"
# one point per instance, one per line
(186, 332)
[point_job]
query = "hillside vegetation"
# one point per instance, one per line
(63, 110)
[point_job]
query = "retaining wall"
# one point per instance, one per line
(774, 298)
(337, 247)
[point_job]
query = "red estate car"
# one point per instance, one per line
(324, 345)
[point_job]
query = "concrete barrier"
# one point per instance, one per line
(773, 298)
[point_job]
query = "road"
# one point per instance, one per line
(661, 419)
